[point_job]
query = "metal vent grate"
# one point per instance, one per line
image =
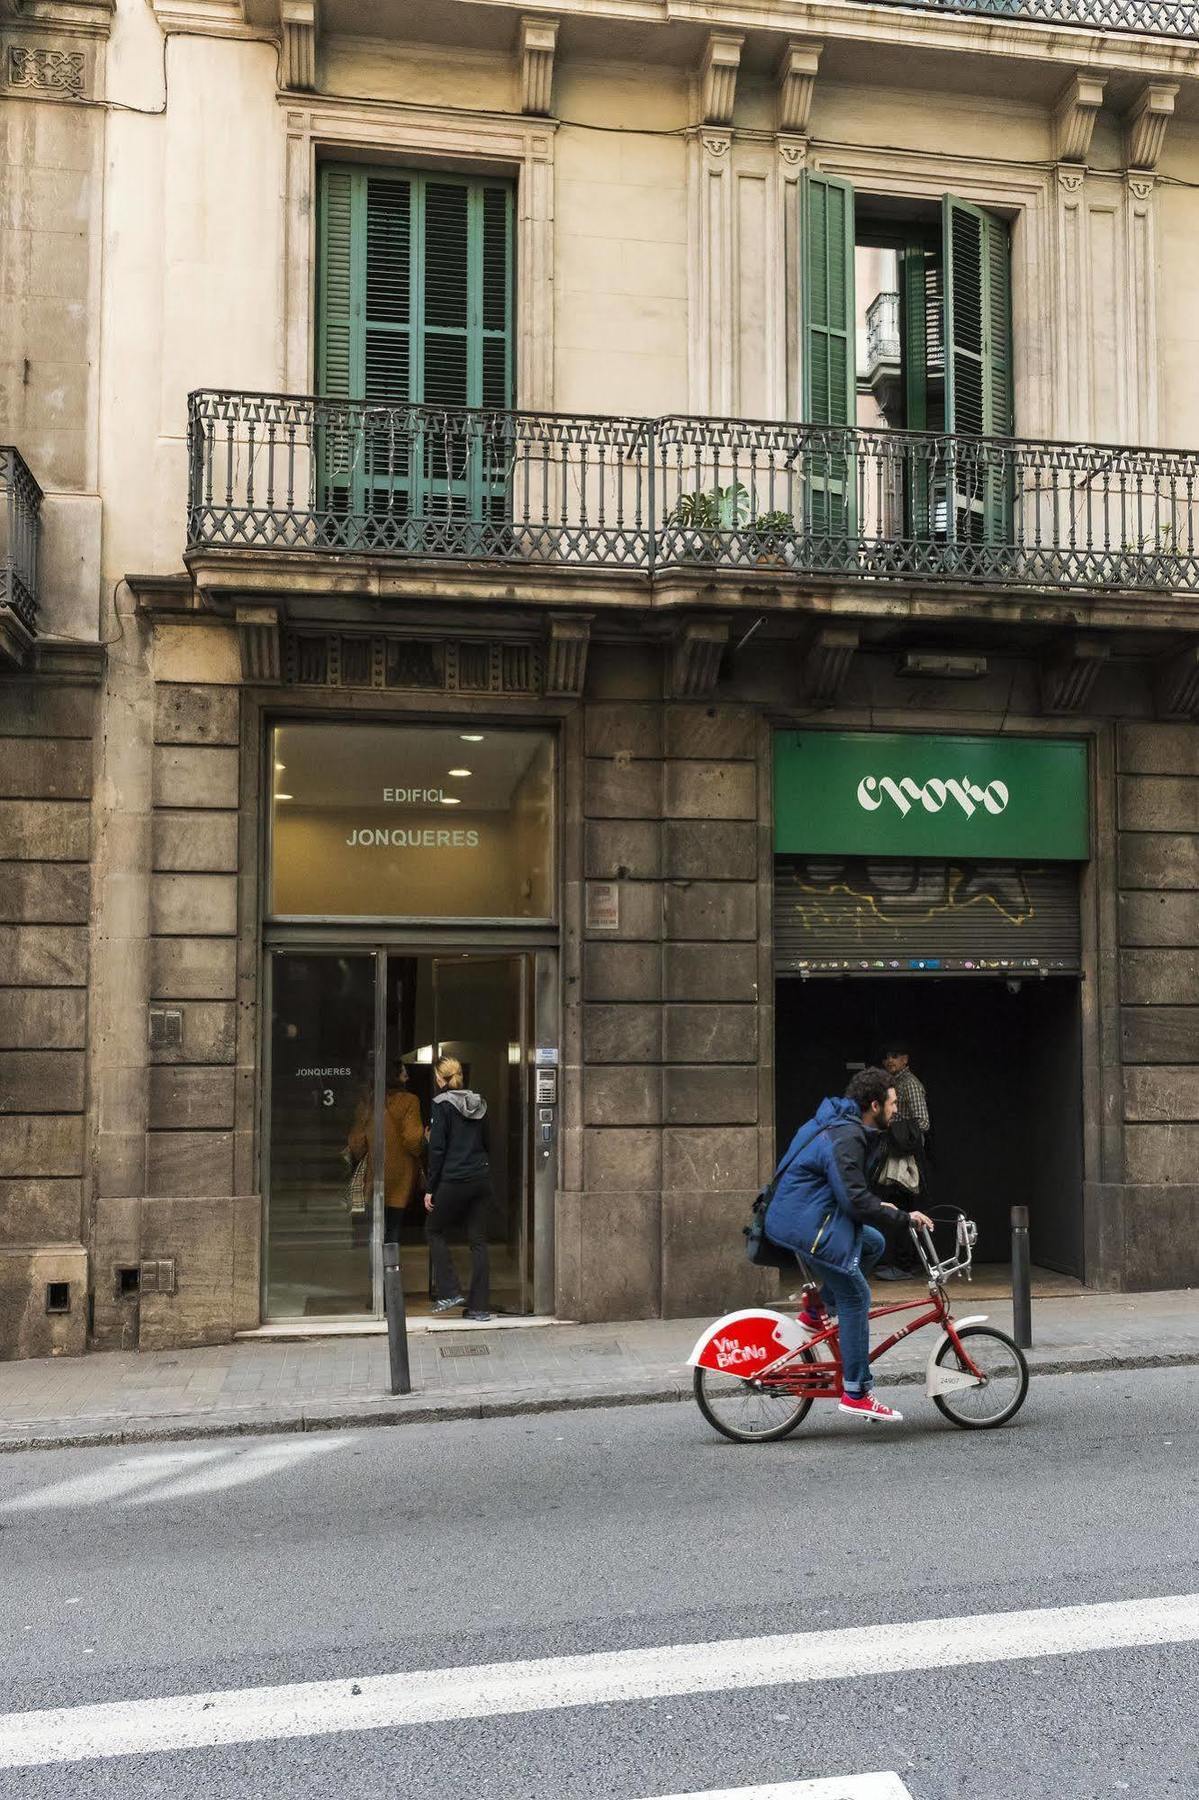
(464, 1350)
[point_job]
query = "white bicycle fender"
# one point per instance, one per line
(950, 1381)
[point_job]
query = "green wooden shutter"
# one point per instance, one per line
(415, 308)
(829, 345)
(978, 369)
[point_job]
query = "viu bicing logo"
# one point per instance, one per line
(933, 795)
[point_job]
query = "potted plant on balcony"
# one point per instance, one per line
(769, 537)
(704, 511)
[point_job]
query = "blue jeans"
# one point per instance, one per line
(849, 1291)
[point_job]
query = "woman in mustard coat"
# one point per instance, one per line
(403, 1141)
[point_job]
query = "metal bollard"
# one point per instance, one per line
(1021, 1279)
(397, 1321)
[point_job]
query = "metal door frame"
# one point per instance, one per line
(539, 1024)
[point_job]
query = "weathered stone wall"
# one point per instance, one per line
(675, 1051)
(46, 779)
(1157, 1222)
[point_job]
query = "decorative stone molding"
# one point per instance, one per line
(1140, 187)
(717, 143)
(299, 24)
(827, 663)
(566, 658)
(718, 77)
(312, 657)
(1145, 123)
(48, 71)
(477, 140)
(78, 18)
(538, 42)
(1068, 674)
(793, 152)
(16, 639)
(1176, 685)
(1074, 116)
(797, 85)
(695, 658)
(1070, 180)
(205, 18)
(259, 641)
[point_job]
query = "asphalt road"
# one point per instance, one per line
(180, 1569)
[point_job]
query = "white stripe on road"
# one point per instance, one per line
(838, 1787)
(174, 1475)
(488, 1690)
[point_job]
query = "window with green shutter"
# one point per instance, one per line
(829, 348)
(951, 293)
(414, 310)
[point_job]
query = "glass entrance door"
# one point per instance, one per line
(353, 1040)
(320, 1218)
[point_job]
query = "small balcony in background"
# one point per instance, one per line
(1149, 18)
(20, 525)
(288, 484)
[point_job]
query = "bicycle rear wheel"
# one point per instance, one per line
(1000, 1396)
(749, 1412)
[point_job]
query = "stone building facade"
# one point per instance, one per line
(663, 182)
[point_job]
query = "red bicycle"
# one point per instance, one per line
(757, 1372)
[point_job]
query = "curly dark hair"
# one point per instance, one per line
(869, 1085)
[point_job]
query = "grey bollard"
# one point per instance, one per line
(397, 1321)
(1021, 1279)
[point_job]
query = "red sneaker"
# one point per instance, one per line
(810, 1323)
(865, 1406)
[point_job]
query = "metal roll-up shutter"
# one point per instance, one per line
(849, 916)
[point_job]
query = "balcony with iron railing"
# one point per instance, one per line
(20, 524)
(290, 482)
(1151, 18)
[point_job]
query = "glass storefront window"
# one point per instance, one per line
(411, 821)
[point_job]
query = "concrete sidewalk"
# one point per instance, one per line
(475, 1371)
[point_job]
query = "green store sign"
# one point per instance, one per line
(880, 793)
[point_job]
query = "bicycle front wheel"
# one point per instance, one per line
(1000, 1395)
(746, 1411)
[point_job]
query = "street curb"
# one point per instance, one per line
(411, 1410)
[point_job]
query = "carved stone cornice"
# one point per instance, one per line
(1176, 685)
(797, 71)
(1145, 123)
(827, 662)
(260, 642)
(566, 658)
(300, 24)
(718, 77)
(1068, 673)
(695, 658)
(1075, 114)
(537, 46)
(77, 18)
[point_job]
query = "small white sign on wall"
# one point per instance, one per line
(602, 909)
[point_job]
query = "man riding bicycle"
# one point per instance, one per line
(822, 1211)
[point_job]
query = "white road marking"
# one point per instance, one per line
(174, 1475)
(836, 1787)
(489, 1690)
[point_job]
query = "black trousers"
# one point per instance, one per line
(459, 1203)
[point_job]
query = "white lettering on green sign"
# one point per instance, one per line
(932, 795)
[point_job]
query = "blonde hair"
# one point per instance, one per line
(450, 1071)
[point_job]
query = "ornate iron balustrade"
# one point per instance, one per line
(20, 524)
(1147, 18)
(322, 476)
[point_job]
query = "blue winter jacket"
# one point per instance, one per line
(823, 1196)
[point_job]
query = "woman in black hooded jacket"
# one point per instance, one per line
(459, 1189)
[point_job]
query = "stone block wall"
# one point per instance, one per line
(675, 1049)
(1153, 1225)
(46, 781)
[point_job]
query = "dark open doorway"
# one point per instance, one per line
(1001, 1061)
